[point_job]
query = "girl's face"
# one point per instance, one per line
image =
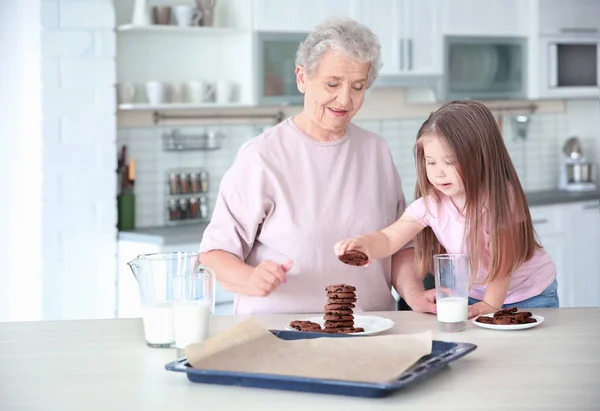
(441, 169)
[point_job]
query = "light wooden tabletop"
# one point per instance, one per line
(105, 365)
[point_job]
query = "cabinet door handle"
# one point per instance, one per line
(578, 30)
(410, 54)
(401, 54)
(591, 206)
(540, 221)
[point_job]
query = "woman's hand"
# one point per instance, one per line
(481, 308)
(355, 243)
(266, 277)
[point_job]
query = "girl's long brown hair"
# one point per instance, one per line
(471, 135)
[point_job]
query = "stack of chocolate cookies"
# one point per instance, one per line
(339, 310)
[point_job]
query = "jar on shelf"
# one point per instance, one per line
(184, 182)
(194, 208)
(195, 182)
(173, 210)
(174, 185)
(204, 181)
(183, 209)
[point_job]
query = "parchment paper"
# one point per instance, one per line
(249, 347)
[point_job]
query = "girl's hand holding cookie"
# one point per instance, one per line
(266, 277)
(353, 247)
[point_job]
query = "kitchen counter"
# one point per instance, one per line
(104, 364)
(553, 197)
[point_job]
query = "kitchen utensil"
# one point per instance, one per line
(161, 15)
(140, 16)
(155, 91)
(187, 16)
(167, 279)
(572, 148)
(207, 8)
(521, 126)
(451, 272)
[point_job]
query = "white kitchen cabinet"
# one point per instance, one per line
(583, 242)
(509, 18)
(294, 16)
(379, 16)
(570, 233)
(550, 229)
(574, 16)
(408, 33)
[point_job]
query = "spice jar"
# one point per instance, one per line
(204, 181)
(184, 181)
(183, 208)
(194, 207)
(173, 183)
(173, 210)
(195, 182)
(203, 207)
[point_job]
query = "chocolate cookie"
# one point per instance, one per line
(338, 317)
(341, 300)
(340, 288)
(338, 324)
(304, 325)
(354, 257)
(336, 296)
(338, 306)
(504, 312)
(485, 320)
(339, 312)
(351, 330)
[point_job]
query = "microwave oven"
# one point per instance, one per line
(484, 68)
(569, 67)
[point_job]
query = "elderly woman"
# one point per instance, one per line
(296, 189)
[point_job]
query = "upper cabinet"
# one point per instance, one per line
(408, 33)
(509, 18)
(293, 16)
(574, 16)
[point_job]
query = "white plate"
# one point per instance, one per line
(510, 327)
(372, 324)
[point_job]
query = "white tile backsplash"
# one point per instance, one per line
(536, 158)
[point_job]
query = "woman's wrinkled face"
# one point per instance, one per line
(335, 91)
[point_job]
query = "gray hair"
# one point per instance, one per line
(341, 33)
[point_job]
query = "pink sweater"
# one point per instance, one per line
(527, 281)
(288, 196)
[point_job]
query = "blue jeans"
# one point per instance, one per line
(546, 299)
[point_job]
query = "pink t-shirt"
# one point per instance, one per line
(527, 281)
(288, 196)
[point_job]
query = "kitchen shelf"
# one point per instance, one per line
(173, 29)
(178, 106)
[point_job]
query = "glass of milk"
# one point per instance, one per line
(193, 306)
(451, 273)
(173, 288)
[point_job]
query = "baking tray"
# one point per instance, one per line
(442, 353)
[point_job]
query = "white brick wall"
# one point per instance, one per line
(536, 159)
(79, 159)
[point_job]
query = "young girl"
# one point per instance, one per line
(470, 201)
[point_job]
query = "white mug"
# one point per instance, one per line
(155, 91)
(186, 16)
(126, 93)
(224, 92)
(198, 92)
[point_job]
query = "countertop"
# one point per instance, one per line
(192, 234)
(104, 364)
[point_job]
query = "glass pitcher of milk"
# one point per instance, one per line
(177, 297)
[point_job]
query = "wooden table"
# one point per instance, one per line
(104, 365)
